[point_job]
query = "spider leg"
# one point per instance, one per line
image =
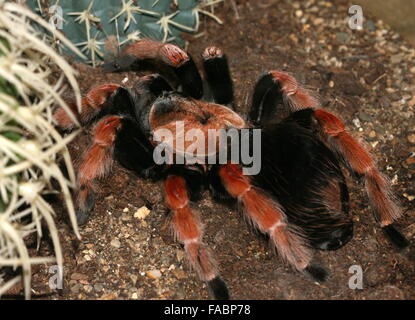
(91, 106)
(361, 162)
(218, 75)
(96, 163)
(357, 158)
(267, 95)
(269, 217)
(137, 55)
(188, 230)
(278, 88)
(294, 96)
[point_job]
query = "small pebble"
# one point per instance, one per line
(342, 37)
(79, 276)
(109, 296)
(142, 213)
(179, 255)
(397, 58)
(98, 287)
(154, 274)
(409, 197)
(179, 274)
(75, 289)
(126, 217)
(116, 243)
(88, 288)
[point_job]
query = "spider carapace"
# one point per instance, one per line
(299, 198)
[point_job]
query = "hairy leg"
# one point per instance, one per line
(137, 56)
(278, 88)
(269, 217)
(96, 163)
(91, 105)
(188, 230)
(218, 75)
(361, 162)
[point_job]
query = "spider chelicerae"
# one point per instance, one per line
(299, 198)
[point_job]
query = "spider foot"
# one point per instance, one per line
(396, 237)
(173, 55)
(82, 217)
(87, 202)
(218, 289)
(212, 53)
(336, 239)
(316, 273)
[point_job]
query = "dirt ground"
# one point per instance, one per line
(367, 77)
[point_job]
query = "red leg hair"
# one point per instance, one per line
(149, 49)
(97, 159)
(188, 229)
(267, 215)
(295, 96)
(91, 104)
(362, 163)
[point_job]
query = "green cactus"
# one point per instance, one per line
(94, 26)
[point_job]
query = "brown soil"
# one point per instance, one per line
(364, 76)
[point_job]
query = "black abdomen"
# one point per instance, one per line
(304, 175)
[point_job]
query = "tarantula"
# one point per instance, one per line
(299, 198)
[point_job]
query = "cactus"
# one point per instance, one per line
(30, 147)
(96, 25)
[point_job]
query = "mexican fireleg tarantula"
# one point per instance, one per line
(299, 198)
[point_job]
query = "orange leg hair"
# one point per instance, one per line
(95, 164)
(91, 105)
(295, 96)
(188, 230)
(362, 163)
(266, 214)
